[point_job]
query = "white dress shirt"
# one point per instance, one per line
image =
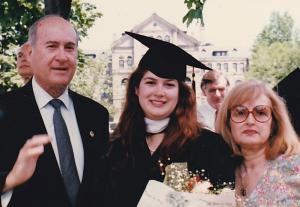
(42, 98)
(207, 115)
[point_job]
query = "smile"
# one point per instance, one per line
(60, 68)
(157, 103)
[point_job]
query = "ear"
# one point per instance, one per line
(203, 90)
(28, 49)
(136, 91)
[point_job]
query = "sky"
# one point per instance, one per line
(228, 23)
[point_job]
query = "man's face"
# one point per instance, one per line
(215, 92)
(23, 63)
(54, 55)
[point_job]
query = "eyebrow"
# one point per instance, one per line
(56, 42)
(151, 78)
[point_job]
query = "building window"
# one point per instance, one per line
(124, 83)
(234, 65)
(225, 66)
(219, 67)
(121, 62)
(129, 61)
(209, 65)
(158, 37)
(219, 53)
(167, 38)
(242, 67)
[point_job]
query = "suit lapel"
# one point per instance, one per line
(85, 131)
(36, 125)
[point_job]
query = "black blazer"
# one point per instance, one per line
(128, 178)
(20, 119)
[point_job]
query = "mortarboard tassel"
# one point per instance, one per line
(193, 81)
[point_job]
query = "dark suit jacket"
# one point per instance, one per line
(20, 119)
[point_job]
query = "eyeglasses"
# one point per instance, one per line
(261, 113)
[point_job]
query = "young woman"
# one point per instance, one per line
(255, 122)
(158, 126)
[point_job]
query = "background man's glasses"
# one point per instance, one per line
(261, 113)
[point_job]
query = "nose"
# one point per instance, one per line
(250, 119)
(159, 90)
(61, 55)
(218, 93)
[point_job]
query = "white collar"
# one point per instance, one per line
(209, 107)
(42, 97)
(156, 126)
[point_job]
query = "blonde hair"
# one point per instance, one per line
(283, 138)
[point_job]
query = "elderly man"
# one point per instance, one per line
(214, 86)
(23, 63)
(52, 139)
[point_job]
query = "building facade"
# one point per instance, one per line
(127, 52)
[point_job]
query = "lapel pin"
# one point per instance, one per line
(92, 134)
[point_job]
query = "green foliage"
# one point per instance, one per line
(272, 63)
(83, 16)
(195, 8)
(9, 79)
(276, 51)
(17, 17)
(93, 81)
(280, 29)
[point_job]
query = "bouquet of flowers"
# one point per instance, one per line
(182, 188)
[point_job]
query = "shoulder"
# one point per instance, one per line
(287, 164)
(15, 94)
(15, 99)
(87, 103)
(208, 136)
(212, 144)
(209, 143)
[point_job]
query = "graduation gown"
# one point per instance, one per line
(128, 180)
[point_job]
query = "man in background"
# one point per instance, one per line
(214, 86)
(23, 63)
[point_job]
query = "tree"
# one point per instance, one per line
(276, 51)
(17, 16)
(195, 12)
(93, 81)
(59, 7)
(14, 28)
(280, 29)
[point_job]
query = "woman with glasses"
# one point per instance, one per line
(255, 123)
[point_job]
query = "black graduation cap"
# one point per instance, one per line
(288, 88)
(165, 59)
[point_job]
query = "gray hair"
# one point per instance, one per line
(32, 33)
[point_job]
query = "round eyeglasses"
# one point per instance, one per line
(261, 113)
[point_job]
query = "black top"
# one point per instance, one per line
(288, 89)
(128, 180)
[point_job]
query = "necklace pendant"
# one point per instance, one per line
(243, 192)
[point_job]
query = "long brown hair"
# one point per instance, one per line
(182, 127)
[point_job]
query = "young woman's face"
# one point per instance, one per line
(157, 96)
(253, 129)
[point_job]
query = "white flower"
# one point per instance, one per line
(202, 187)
